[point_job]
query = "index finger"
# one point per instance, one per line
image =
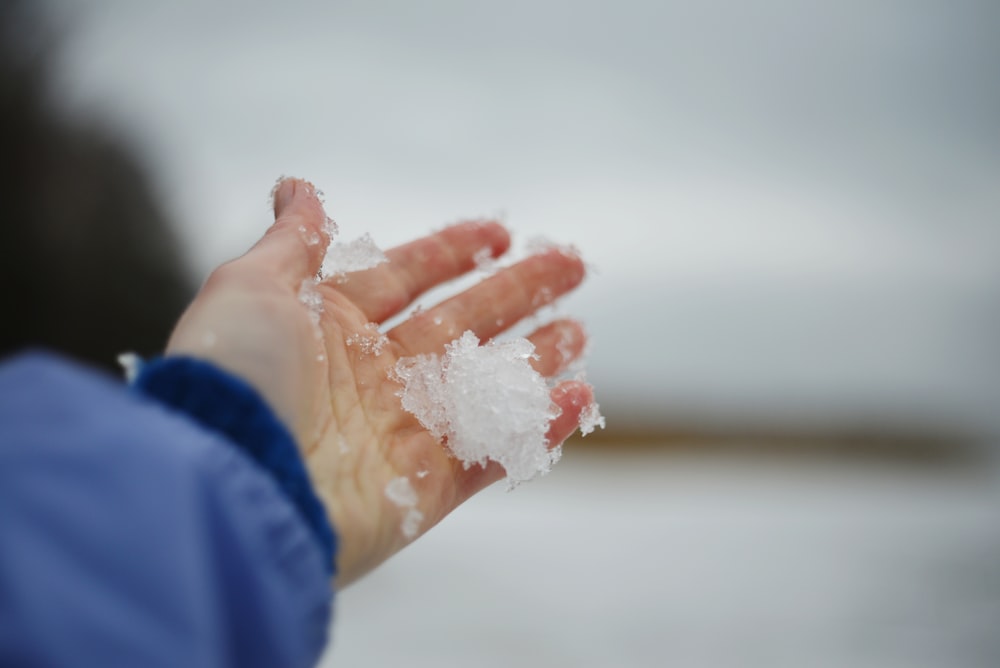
(416, 267)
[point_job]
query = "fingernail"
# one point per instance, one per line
(283, 194)
(289, 190)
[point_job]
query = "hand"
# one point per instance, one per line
(335, 395)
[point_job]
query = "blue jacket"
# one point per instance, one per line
(167, 524)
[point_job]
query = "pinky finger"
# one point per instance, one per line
(573, 397)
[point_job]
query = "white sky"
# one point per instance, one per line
(793, 206)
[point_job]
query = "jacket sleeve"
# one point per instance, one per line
(155, 527)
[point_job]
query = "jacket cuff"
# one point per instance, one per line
(228, 405)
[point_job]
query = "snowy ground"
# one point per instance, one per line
(668, 560)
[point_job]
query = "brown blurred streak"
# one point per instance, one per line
(909, 447)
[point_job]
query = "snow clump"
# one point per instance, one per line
(484, 403)
(591, 419)
(344, 257)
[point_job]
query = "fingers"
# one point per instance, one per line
(295, 244)
(557, 344)
(493, 305)
(418, 266)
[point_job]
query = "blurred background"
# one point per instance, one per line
(791, 213)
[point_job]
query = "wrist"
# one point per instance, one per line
(226, 404)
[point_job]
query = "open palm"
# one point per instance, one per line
(325, 370)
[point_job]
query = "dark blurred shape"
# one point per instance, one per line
(88, 263)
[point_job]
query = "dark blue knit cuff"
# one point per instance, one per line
(226, 404)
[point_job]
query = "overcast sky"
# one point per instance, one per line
(792, 206)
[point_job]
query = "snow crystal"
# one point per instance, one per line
(310, 189)
(401, 492)
(330, 228)
(311, 237)
(576, 365)
(590, 419)
(313, 300)
(572, 347)
(411, 522)
(543, 297)
(484, 402)
(564, 346)
(358, 255)
(371, 342)
(539, 244)
(484, 260)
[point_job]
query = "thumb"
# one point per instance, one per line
(294, 246)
